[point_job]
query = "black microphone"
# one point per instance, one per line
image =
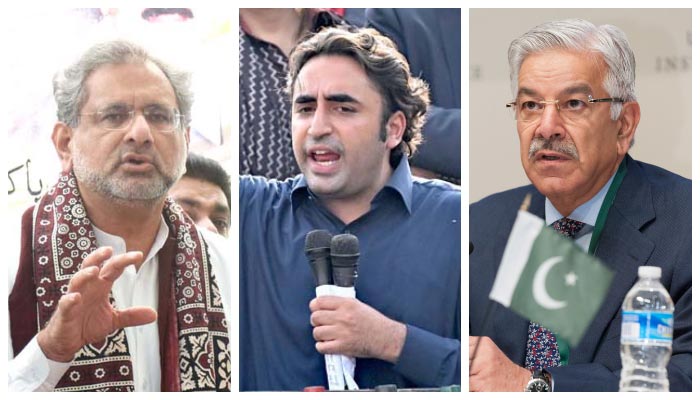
(471, 247)
(318, 248)
(345, 250)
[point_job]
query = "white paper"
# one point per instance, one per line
(339, 368)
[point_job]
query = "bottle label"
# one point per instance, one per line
(641, 325)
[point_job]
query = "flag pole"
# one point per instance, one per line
(487, 317)
(526, 202)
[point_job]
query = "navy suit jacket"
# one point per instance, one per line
(429, 38)
(649, 223)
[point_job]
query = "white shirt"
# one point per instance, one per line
(32, 371)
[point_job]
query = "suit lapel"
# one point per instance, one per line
(623, 248)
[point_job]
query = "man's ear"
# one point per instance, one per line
(629, 119)
(395, 127)
(62, 136)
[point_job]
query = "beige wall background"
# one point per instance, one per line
(661, 41)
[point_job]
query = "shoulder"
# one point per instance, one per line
(253, 189)
(494, 215)
(662, 180)
(436, 191)
(221, 253)
(217, 244)
(670, 194)
(498, 202)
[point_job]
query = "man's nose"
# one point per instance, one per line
(551, 123)
(140, 131)
(320, 123)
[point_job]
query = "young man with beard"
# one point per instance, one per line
(576, 112)
(356, 117)
(105, 248)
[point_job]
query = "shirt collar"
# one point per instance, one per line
(586, 212)
(400, 181)
(119, 245)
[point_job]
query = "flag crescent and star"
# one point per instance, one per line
(578, 281)
(539, 289)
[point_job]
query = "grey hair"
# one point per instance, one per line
(581, 35)
(71, 94)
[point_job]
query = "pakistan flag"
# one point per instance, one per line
(548, 279)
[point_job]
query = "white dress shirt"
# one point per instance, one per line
(32, 371)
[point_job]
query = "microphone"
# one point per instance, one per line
(317, 248)
(345, 251)
(471, 247)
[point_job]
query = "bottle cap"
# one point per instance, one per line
(649, 272)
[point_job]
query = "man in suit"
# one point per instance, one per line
(576, 114)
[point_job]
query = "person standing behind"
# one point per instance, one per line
(429, 38)
(204, 193)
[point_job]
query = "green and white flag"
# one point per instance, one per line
(548, 279)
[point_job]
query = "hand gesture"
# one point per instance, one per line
(84, 314)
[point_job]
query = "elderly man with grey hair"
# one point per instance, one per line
(576, 114)
(116, 289)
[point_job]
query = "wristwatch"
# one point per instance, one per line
(540, 381)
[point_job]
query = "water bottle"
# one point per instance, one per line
(647, 333)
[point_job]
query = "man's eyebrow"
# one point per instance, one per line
(304, 98)
(335, 98)
(527, 92)
(576, 89)
(582, 88)
(156, 105)
(222, 208)
(186, 201)
(114, 106)
(341, 98)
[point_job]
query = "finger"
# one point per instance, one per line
(97, 257)
(324, 333)
(329, 347)
(323, 317)
(472, 345)
(114, 267)
(69, 306)
(135, 316)
(83, 278)
(327, 303)
(474, 384)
